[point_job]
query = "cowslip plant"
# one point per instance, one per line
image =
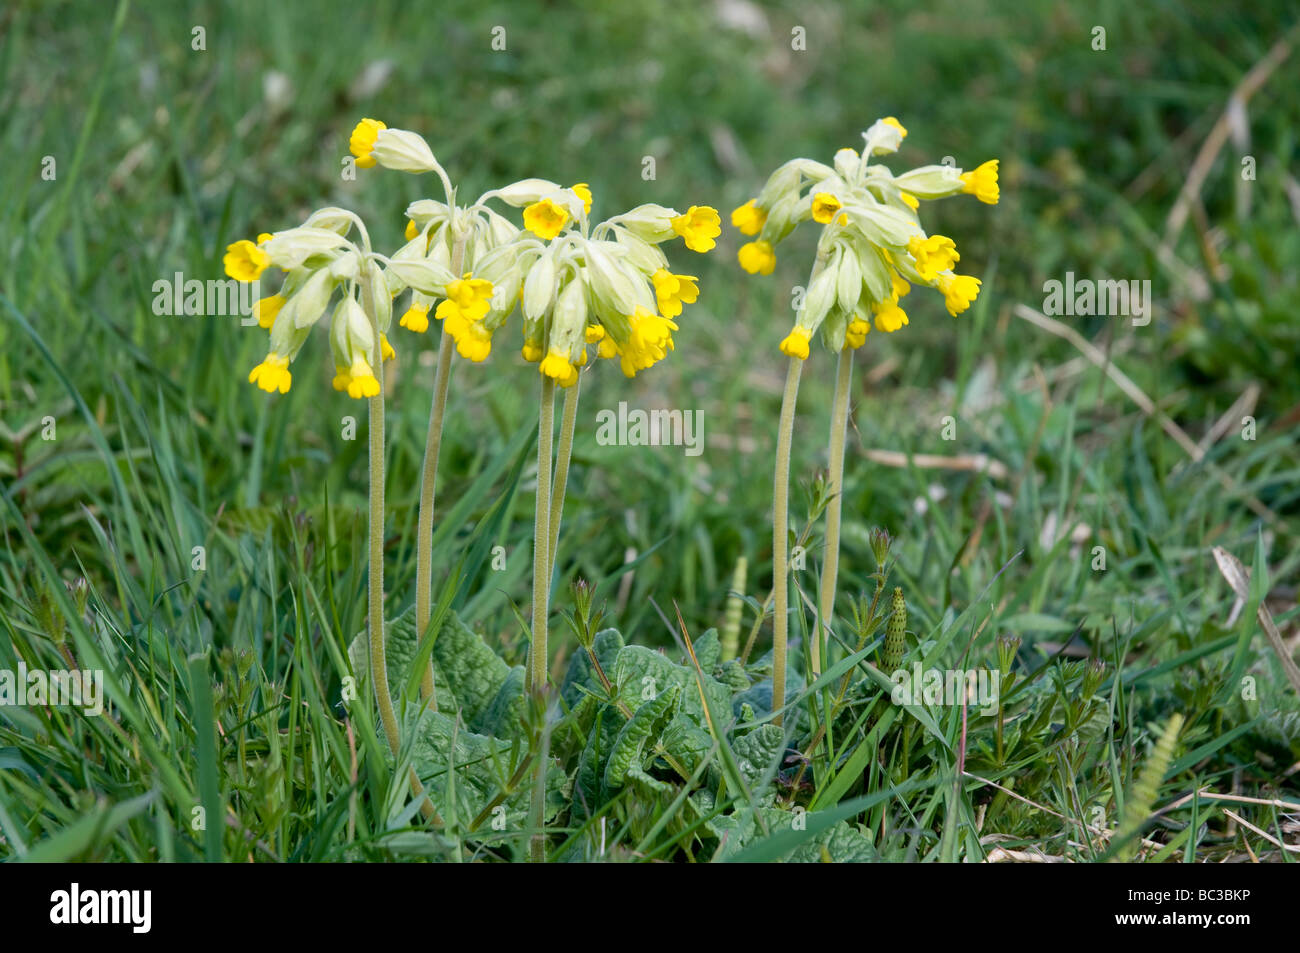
(319, 260)
(871, 250)
(606, 285)
(468, 256)
(576, 284)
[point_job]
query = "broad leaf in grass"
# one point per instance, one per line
(587, 792)
(708, 650)
(686, 741)
(757, 752)
(639, 672)
(732, 674)
(400, 643)
(505, 712)
(841, 842)
(482, 771)
(474, 672)
(644, 727)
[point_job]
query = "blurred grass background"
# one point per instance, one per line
(166, 153)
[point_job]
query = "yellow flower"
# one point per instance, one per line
(594, 333)
(583, 191)
(933, 255)
(608, 349)
(983, 182)
(556, 366)
(889, 316)
(416, 318)
(699, 227)
(468, 297)
(361, 379)
(891, 121)
(671, 290)
(411, 230)
(272, 374)
(267, 308)
(362, 142)
(473, 340)
(900, 286)
(856, 334)
(545, 219)
(958, 292)
(824, 207)
(757, 258)
(795, 344)
(650, 341)
(341, 378)
(244, 261)
(386, 349)
(910, 200)
(532, 353)
(749, 218)
(474, 295)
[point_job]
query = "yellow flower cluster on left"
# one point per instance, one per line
(325, 272)
(872, 247)
(606, 285)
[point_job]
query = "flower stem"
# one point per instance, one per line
(568, 420)
(542, 540)
(428, 485)
(378, 653)
(781, 535)
(543, 547)
(831, 564)
(537, 801)
(375, 579)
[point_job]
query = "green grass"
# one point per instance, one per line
(227, 684)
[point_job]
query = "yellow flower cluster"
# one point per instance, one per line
(576, 284)
(318, 261)
(607, 284)
(872, 247)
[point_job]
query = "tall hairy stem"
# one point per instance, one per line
(378, 652)
(375, 579)
(568, 421)
(543, 547)
(542, 539)
(428, 485)
(781, 535)
(831, 563)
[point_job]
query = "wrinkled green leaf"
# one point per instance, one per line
(757, 752)
(639, 671)
(644, 726)
(400, 644)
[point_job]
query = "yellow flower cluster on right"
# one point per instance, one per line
(872, 247)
